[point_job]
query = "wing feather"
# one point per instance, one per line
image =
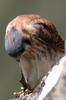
(47, 32)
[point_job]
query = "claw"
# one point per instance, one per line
(22, 88)
(17, 94)
(28, 91)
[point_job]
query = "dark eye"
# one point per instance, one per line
(25, 31)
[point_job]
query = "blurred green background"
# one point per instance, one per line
(53, 10)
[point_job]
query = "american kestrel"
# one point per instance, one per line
(35, 43)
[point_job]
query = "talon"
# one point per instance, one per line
(28, 91)
(22, 88)
(17, 94)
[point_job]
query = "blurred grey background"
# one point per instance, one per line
(53, 10)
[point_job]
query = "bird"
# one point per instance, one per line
(36, 45)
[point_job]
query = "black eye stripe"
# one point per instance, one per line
(25, 31)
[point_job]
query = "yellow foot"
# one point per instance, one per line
(27, 91)
(17, 94)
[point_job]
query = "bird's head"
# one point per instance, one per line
(28, 31)
(19, 34)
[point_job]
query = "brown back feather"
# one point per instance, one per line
(48, 33)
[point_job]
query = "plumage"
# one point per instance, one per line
(36, 44)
